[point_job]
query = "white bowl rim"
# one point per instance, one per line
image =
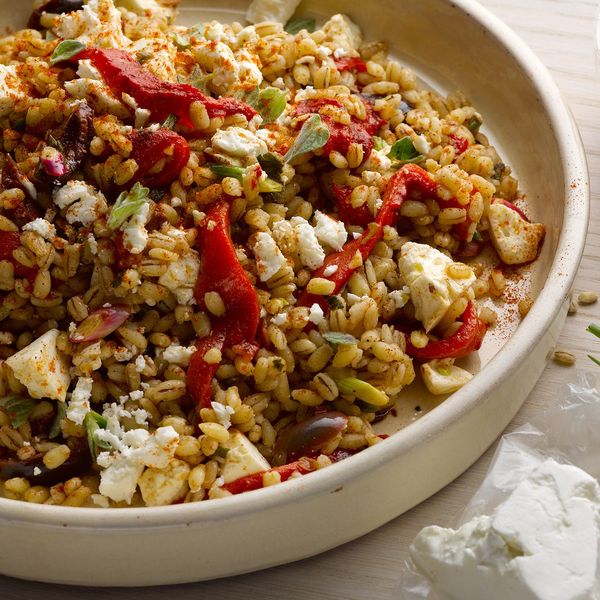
(548, 303)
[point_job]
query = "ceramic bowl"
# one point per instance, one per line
(452, 45)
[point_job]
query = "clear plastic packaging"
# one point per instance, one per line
(568, 432)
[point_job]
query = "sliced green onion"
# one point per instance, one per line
(363, 391)
(595, 329)
(594, 359)
(169, 122)
(378, 143)
(127, 204)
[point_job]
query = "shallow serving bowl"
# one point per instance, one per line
(531, 127)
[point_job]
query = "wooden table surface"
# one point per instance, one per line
(561, 32)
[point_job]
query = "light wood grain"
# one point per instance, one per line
(561, 32)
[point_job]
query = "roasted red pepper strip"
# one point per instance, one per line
(122, 73)
(465, 341)
(351, 63)
(10, 241)
(361, 215)
(149, 147)
(341, 136)
(255, 481)
(408, 179)
(221, 272)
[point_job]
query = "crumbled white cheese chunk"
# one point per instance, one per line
(315, 314)
(223, 413)
(432, 288)
(279, 11)
(37, 471)
(515, 240)
(239, 142)
(140, 363)
(161, 487)
(540, 544)
(135, 235)
(98, 95)
(400, 297)
(242, 459)
(180, 277)
(14, 90)
(422, 146)
(269, 258)
(310, 251)
(97, 24)
(92, 243)
(84, 204)
(330, 231)
(79, 404)
(41, 368)
(342, 32)
(42, 227)
(178, 355)
(279, 319)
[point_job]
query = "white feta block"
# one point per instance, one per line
(242, 459)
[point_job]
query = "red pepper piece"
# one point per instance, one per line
(361, 215)
(351, 63)
(460, 144)
(407, 179)
(149, 147)
(122, 73)
(255, 481)
(341, 136)
(465, 341)
(10, 241)
(222, 272)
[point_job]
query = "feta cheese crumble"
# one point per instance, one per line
(540, 544)
(135, 235)
(79, 405)
(315, 314)
(330, 231)
(41, 227)
(180, 277)
(269, 258)
(432, 289)
(83, 203)
(178, 355)
(236, 141)
(310, 251)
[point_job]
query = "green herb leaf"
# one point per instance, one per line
(477, 236)
(595, 329)
(337, 338)
(169, 122)
(269, 103)
(362, 390)
(17, 408)
(94, 422)
(198, 79)
(594, 359)
(271, 165)
(404, 151)
(313, 135)
(473, 124)
(182, 40)
(294, 26)
(61, 413)
(378, 143)
(127, 204)
(334, 302)
(222, 451)
(268, 186)
(65, 50)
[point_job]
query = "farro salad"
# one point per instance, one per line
(226, 249)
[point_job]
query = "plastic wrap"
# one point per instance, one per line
(569, 432)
